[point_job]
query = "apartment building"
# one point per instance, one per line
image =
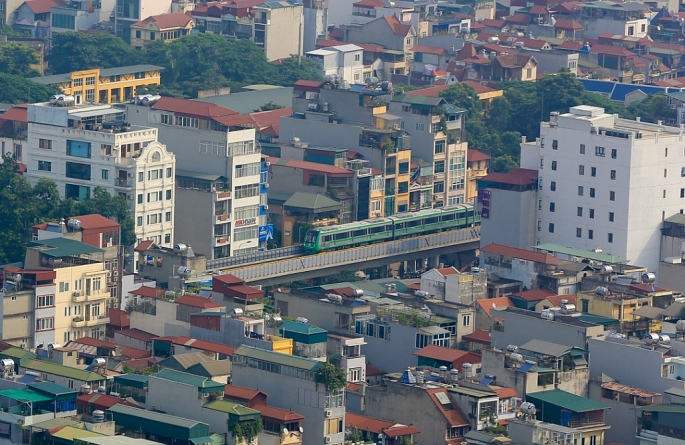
(79, 15)
(14, 132)
(345, 61)
(78, 307)
(315, 23)
(128, 12)
(106, 86)
(223, 184)
(81, 147)
(629, 19)
(635, 175)
(291, 383)
(165, 27)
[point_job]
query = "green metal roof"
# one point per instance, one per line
(418, 100)
(277, 357)
(62, 371)
(53, 390)
(472, 392)
(312, 201)
(66, 77)
(53, 423)
(235, 411)
(132, 380)
(301, 328)
(662, 408)
(24, 395)
(64, 247)
(587, 254)
(552, 349)
(678, 218)
(565, 400)
(202, 383)
(597, 319)
(157, 423)
(18, 354)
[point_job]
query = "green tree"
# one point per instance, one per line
(17, 58)
(290, 70)
(73, 51)
(269, 106)
(559, 92)
(17, 212)
(244, 430)
(17, 89)
(332, 377)
(652, 109)
(464, 96)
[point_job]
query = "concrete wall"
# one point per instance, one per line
(393, 355)
(195, 214)
(319, 313)
(622, 416)
(672, 276)
(284, 32)
(512, 219)
(162, 324)
(521, 270)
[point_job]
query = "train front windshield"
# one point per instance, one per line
(310, 237)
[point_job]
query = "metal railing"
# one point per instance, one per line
(255, 257)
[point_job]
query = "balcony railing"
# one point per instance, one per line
(82, 296)
(80, 322)
(123, 182)
(221, 240)
(226, 217)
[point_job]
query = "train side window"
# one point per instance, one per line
(448, 217)
(462, 215)
(470, 213)
(415, 223)
(431, 220)
(327, 238)
(399, 226)
(379, 229)
(361, 232)
(341, 235)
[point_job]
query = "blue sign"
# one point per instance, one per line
(266, 232)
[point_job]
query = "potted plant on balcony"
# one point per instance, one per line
(332, 377)
(244, 430)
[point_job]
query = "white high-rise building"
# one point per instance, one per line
(606, 182)
(81, 147)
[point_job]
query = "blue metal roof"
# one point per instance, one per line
(617, 91)
(598, 86)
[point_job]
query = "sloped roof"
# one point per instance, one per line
(547, 348)
(119, 318)
(192, 108)
(566, 400)
(429, 49)
(533, 295)
(43, 6)
(515, 252)
(480, 336)
(147, 291)
(270, 119)
(372, 370)
(474, 155)
(514, 60)
(489, 303)
(611, 50)
(363, 423)
(166, 21)
(556, 299)
(447, 271)
(95, 221)
(241, 392)
(398, 28)
(145, 245)
(315, 166)
(570, 46)
(369, 4)
(137, 334)
(538, 10)
(188, 379)
(199, 302)
(184, 361)
(61, 370)
(568, 24)
(445, 354)
(18, 113)
(312, 201)
(518, 19)
(453, 416)
(492, 23)
(282, 415)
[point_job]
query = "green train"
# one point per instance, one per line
(390, 228)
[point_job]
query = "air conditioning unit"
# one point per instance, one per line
(328, 413)
(109, 274)
(76, 294)
(266, 185)
(130, 175)
(329, 439)
(268, 164)
(266, 206)
(130, 197)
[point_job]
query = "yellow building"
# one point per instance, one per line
(619, 305)
(164, 27)
(79, 306)
(106, 86)
(477, 166)
(397, 171)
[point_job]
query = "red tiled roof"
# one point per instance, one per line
(363, 423)
(95, 342)
(516, 176)
(475, 25)
(166, 21)
(538, 10)
(95, 221)
(429, 91)
(43, 6)
(474, 155)
(18, 113)
(556, 299)
(647, 288)
(568, 24)
(147, 291)
(243, 291)
(336, 33)
(479, 88)
(241, 392)
(369, 4)
(314, 166)
(137, 334)
(353, 387)
(454, 416)
(227, 278)
(414, 286)
(491, 23)
(270, 119)
(308, 83)
(140, 363)
(533, 295)
(532, 43)
(326, 43)
(204, 345)
(145, 245)
(429, 49)
(611, 50)
(518, 19)
(505, 393)
(565, 8)
(278, 414)
(398, 28)
(514, 60)
(479, 336)
(446, 354)
(371, 48)
(489, 303)
(135, 353)
(192, 108)
(372, 370)
(119, 318)
(570, 46)
(197, 301)
(495, 48)
(447, 271)
(102, 401)
(515, 252)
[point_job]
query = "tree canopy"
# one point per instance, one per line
(18, 89)
(17, 58)
(22, 206)
(74, 51)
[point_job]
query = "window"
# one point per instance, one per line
(439, 187)
(551, 228)
(582, 149)
(167, 238)
(631, 30)
(246, 191)
(45, 144)
(613, 153)
(555, 144)
(152, 175)
(642, 28)
(140, 198)
(599, 151)
(592, 213)
(105, 174)
(245, 212)
(610, 237)
(540, 204)
(44, 166)
(168, 195)
(542, 162)
(141, 177)
(612, 196)
(357, 57)
(611, 216)
(590, 234)
(77, 82)
(191, 122)
(592, 192)
(153, 219)
(579, 232)
(138, 34)
(245, 233)
(613, 174)
(420, 126)
(139, 221)
(64, 286)
(355, 374)
(439, 147)
(167, 216)
(90, 80)
(554, 165)
(664, 194)
(580, 190)
(466, 320)
(404, 167)
(682, 193)
(45, 301)
(90, 95)
(593, 171)
(529, 73)
(77, 192)
(169, 172)
(581, 169)
(552, 207)
(76, 170)
(539, 226)
(580, 211)
(154, 196)
(682, 172)
(439, 167)
(665, 172)
(334, 426)
(44, 324)
(152, 36)
(553, 186)
(78, 149)
(409, 41)
(585, 305)
(247, 169)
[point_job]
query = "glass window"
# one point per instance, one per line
(590, 234)
(610, 237)
(552, 207)
(168, 195)
(439, 167)
(581, 169)
(76, 170)
(613, 174)
(580, 211)
(592, 192)
(611, 216)
(579, 232)
(169, 172)
(592, 213)
(593, 171)
(45, 144)
(580, 190)
(439, 146)
(553, 186)
(612, 196)
(168, 216)
(78, 149)
(554, 165)
(44, 166)
(599, 151)
(555, 144)
(551, 227)
(105, 174)
(613, 153)
(582, 149)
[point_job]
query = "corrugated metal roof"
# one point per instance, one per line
(418, 100)
(547, 348)
(70, 433)
(203, 383)
(132, 380)
(662, 408)
(300, 328)
(63, 247)
(66, 77)
(565, 400)
(52, 389)
(62, 371)
(161, 424)
(581, 253)
(233, 408)
(277, 357)
(24, 395)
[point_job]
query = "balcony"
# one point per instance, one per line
(220, 219)
(80, 322)
(123, 182)
(83, 296)
(221, 240)
(222, 196)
